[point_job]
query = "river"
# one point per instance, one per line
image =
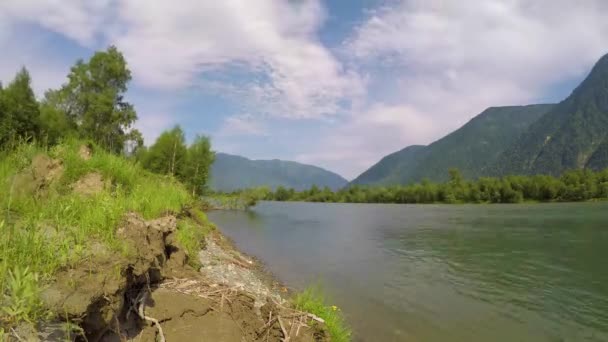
(441, 272)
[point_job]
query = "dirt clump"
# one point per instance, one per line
(90, 184)
(85, 152)
(38, 177)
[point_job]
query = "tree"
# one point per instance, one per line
(93, 98)
(54, 122)
(19, 112)
(168, 154)
(199, 158)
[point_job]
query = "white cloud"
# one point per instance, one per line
(77, 19)
(445, 61)
(171, 46)
(413, 69)
(359, 143)
(239, 125)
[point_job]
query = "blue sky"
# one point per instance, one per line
(337, 84)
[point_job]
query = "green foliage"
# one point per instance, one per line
(577, 185)
(472, 149)
(18, 111)
(93, 100)
(47, 231)
(313, 301)
(570, 136)
(237, 200)
(170, 156)
(199, 158)
(191, 237)
(21, 296)
(231, 173)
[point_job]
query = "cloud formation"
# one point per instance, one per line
(444, 61)
(408, 73)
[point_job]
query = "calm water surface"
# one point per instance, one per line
(442, 272)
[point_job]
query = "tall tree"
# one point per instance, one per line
(55, 124)
(198, 162)
(93, 98)
(19, 110)
(168, 154)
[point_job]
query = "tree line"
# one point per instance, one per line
(577, 185)
(91, 106)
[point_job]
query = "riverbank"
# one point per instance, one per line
(96, 249)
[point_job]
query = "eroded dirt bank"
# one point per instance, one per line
(142, 284)
(153, 294)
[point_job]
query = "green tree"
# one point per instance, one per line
(199, 158)
(168, 154)
(55, 124)
(19, 111)
(94, 99)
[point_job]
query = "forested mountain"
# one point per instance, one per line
(472, 149)
(230, 172)
(573, 135)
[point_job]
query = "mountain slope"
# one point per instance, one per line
(230, 172)
(391, 168)
(570, 136)
(472, 148)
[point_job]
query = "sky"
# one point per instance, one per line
(338, 84)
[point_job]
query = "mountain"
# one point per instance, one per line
(392, 168)
(472, 149)
(572, 135)
(230, 172)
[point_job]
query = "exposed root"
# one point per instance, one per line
(140, 301)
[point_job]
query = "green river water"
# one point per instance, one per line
(441, 272)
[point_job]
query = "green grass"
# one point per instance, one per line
(312, 300)
(191, 237)
(39, 234)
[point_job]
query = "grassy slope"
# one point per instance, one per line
(55, 228)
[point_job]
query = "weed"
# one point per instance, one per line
(21, 300)
(191, 237)
(313, 300)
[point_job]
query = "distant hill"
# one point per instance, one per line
(472, 149)
(230, 172)
(573, 135)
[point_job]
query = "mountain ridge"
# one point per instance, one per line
(471, 148)
(233, 172)
(568, 136)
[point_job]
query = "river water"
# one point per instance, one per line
(441, 272)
